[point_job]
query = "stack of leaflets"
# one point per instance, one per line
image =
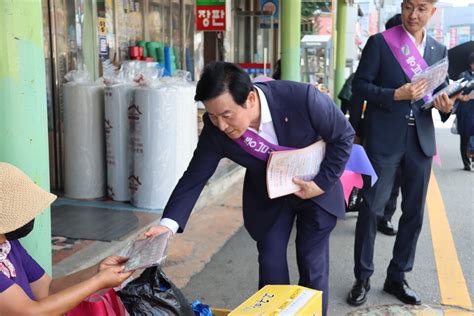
(146, 253)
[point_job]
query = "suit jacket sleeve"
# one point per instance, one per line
(205, 159)
(335, 130)
(367, 71)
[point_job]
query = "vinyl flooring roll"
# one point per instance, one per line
(117, 99)
(164, 130)
(84, 150)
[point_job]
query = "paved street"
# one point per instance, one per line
(231, 275)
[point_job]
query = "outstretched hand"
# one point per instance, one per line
(158, 230)
(309, 189)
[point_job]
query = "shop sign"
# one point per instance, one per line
(102, 26)
(210, 18)
(210, 2)
(269, 6)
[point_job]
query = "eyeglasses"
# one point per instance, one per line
(414, 10)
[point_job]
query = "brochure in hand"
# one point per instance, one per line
(453, 89)
(146, 253)
(283, 166)
(435, 75)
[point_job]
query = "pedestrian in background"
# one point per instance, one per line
(345, 94)
(465, 117)
(399, 134)
(275, 113)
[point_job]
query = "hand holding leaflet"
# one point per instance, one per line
(283, 166)
(434, 75)
(453, 89)
(144, 253)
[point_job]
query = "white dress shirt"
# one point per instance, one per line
(266, 130)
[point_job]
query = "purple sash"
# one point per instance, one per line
(405, 52)
(258, 146)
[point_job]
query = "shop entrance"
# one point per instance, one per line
(255, 42)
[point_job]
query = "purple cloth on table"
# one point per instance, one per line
(27, 270)
(359, 163)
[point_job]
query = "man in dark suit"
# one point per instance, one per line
(399, 134)
(384, 222)
(283, 113)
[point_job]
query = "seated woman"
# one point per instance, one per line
(25, 289)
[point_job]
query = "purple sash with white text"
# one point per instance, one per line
(258, 146)
(405, 52)
(357, 164)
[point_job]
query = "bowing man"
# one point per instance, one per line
(276, 114)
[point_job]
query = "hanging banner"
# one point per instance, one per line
(210, 15)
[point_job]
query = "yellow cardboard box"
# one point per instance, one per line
(282, 300)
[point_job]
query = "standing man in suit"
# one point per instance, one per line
(384, 222)
(399, 135)
(274, 113)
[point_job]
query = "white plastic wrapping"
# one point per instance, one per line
(118, 98)
(84, 163)
(163, 124)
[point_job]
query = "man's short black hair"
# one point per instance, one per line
(471, 59)
(394, 21)
(219, 77)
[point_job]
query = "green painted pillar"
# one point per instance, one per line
(23, 112)
(290, 24)
(90, 49)
(341, 20)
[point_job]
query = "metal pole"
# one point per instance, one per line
(290, 40)
(23, 118)
(340, 48)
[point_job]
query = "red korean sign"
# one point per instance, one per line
(210, 18)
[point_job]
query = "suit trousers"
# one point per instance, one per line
(313, 227)
(391, 205)
(415, 168)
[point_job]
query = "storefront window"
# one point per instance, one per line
(129, 24)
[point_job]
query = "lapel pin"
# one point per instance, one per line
(286, 120)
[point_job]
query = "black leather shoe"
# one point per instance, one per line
(386, 227)
(358, 294)
(402, 291)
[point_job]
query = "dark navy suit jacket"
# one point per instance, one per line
(301, 115)
(378, 76)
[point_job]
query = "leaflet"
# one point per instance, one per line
(283, 166)
(144, 253)
(435, 75)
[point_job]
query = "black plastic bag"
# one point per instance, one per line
(152, 294)
(355, 200)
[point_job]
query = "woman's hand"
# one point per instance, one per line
(110, 262)
(112, 277)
